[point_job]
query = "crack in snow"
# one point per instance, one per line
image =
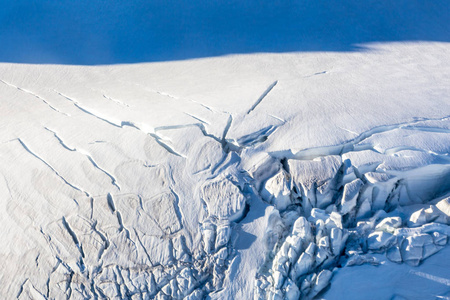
(88, 156)
(53, 169)
(263, 95)
(36, 96)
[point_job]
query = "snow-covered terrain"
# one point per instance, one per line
(290, 175)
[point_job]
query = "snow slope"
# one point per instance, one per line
(286, 175)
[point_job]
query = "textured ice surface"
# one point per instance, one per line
(265, 175)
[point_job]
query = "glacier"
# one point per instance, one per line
(311, 173)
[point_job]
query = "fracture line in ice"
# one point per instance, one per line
(34, 95)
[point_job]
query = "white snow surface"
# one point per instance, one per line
(267, 176)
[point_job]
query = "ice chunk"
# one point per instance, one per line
(338, 238)
(292, 255)
(183, 281)
(278, 279)
(364, 210)
(324, 251)
(382, 186)
(379, 239)
(436, 215)
(304, 263)
(181, 252)
(261, 283)
(281, 262)
(174, 289)
(307, 283)
(276, 294)
(302, 228)
(167, 290)
(427, 215)
(351, 192)
(291, 290)
(357, 259)
(377, 177)
(209, 235)
(418, 218)
(426, 241)
(444, 206)
(394, 254)
(316, 179)
(224, 199)
(290, 216)
(195, 295)
(416, 248)
(295, 243)
(260, 166)
(411, 254)
(318, 214)
(321, 230)
(334, 221)
(322, 280)
(276, 190)
(151, 283)
(223, 235)
(389, 224)
(349, 172)
(274, 230)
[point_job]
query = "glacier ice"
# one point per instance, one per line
(226, 178)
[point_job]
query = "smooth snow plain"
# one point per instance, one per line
(303, 175)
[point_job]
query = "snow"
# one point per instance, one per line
(304, 160)
(393, 281)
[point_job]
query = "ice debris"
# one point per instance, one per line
(345, 215)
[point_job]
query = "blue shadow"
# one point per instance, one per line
(111, 32)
